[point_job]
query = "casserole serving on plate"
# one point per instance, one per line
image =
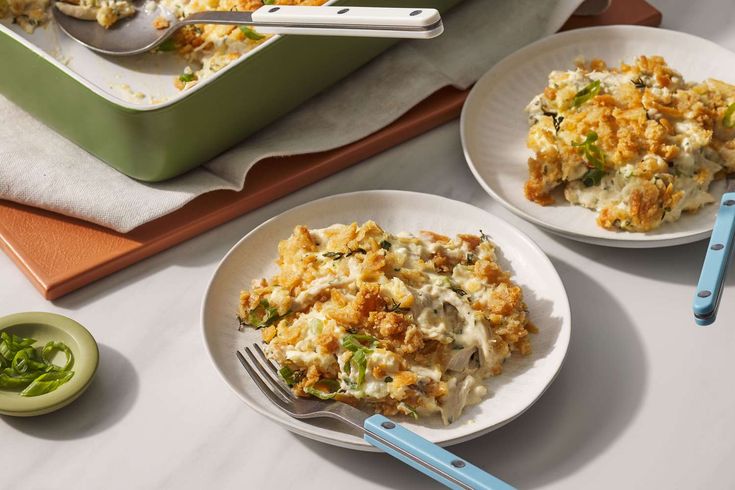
(128, 113)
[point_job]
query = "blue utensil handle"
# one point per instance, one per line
(427, 457)
(709, 288)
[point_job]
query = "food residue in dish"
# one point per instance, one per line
(637, 143)
(127, 92)
(105, 12)
(28, 14)
(210, 48)
(409, 324)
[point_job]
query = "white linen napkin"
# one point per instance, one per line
(42, 169)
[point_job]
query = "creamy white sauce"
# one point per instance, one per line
(441, 309)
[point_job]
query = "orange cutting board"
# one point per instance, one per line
(60, 254)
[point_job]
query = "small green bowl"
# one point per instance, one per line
(45, 327)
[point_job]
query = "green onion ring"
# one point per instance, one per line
(48, 351)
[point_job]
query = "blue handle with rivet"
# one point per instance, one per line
(719, 251)
(427, 457)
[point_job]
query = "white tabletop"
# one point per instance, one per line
(645, 398)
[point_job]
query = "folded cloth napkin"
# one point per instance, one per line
(42, 169)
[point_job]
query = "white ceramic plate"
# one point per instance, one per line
(494, 125)
(524, 379)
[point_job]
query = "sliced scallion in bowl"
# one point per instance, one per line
(32, 368)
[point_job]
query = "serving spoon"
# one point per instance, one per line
(137, 34)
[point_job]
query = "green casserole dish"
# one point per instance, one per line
(159, 140)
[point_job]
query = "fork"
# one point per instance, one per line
(717, 259)
(381, 432)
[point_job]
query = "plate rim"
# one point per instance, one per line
(563, 347)
(641, 241)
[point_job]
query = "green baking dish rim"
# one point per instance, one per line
(158, 144)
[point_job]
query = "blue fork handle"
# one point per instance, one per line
(427, 457)
(709, 288)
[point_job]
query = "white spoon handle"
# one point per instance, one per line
(416, 23)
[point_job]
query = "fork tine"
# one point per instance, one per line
(267, 361)
(283, 405)
(274, 370)
(274, 383)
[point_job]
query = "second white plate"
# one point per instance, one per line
(523, 380)
(494, 125)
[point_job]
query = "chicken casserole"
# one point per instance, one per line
(396, 324)
(637, 143)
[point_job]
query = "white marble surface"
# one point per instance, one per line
(644, 400)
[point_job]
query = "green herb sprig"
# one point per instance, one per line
(557, 120)
(339, 255)
(396, 307)
(638, 82)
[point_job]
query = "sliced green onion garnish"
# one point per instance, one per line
(586, 93)
(10, 345)
(588, 140)
(359, 359)
(187, 77)
(269, 2)
(411, 411)
(354, 342)
(595, 159)
(25, 361)
(251, 34)
(17, 342)
(48, 353)
(47, 382)
(728, 120)
(290, 376)
(260, 320)
(167, 45)
(592, 177)
(15, 382)
(331, 388)
(287, 375)
(26, 367)
(385, 245)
